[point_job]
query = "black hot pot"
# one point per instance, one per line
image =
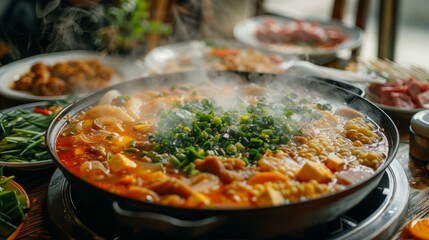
(148, 219)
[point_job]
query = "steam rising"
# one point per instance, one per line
(72, 28)
(236, 85)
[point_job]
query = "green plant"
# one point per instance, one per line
(128, 25)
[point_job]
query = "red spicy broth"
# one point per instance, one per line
(214, 145)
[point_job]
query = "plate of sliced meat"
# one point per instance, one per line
(59, 75)
(310, 38)
(402, 97)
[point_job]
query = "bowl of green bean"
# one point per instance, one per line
(14, 207)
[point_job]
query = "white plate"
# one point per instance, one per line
(245, 31)
(394, 112)
(158, 57)
(123, 69)
(404, 113)
(195, 51)
(27, 166)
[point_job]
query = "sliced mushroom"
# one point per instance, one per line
(142, 193)
(109, 110)
(133, 107)
(108, 123)
(108, 97)
(94, 170)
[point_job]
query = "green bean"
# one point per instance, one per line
(32, 145)
(18, 130)
(22, 133)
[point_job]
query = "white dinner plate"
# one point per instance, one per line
(34, 165)
(167, 58)
(245, 31)
(157, 59)
(123, 69)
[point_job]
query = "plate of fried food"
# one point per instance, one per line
(215, 54)
(306, 38)
(59, 75)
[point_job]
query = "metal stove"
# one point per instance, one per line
(377, 217)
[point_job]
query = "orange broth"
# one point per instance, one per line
(118, 145)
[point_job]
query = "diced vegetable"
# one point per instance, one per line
(43, 111)
(315, 170)
(200, 128)
(267, 177)
(120, 162)
(11, 210)
(270, 197)
(334, 162)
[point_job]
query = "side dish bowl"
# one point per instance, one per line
(11, 185)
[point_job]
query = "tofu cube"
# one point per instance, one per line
(352, 177)
(120, 162)
(335, 163)
(314, 170)
(270, 197)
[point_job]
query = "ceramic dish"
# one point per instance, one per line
(27, 166)
(195, 55)
(245, 32)
(405, 77)
(25, 201)
(394, 112)
(123, 69)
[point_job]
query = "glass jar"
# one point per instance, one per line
(419, 136)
